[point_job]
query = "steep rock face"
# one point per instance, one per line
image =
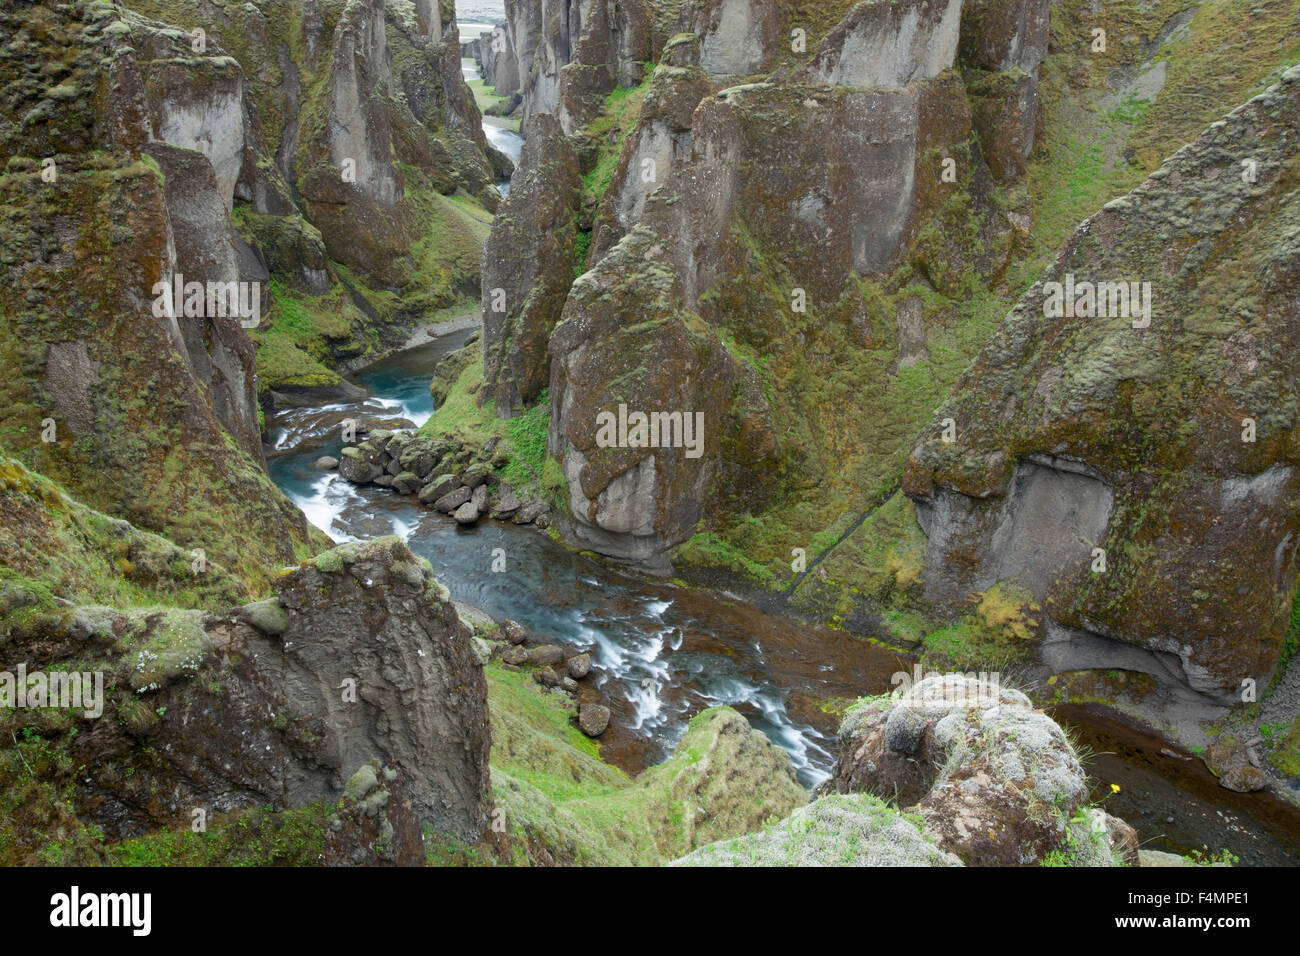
(858, 213)
(528, 266)
(1163, 436)
(571, 53)
(661, 139)
(889, 44)
(356, 126)
(611, 50)
(737, 37)
(996, 782)
(1003, 46)
(360, 657)
(622, 341)
(559, 25)
(727, 184)
(207, 250)
(523, 30)
(139, 408)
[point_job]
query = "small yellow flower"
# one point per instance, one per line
(1114, 788)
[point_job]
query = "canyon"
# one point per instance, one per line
(829, 230)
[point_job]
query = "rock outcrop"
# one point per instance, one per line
(359, 658)
(995, 781)
(1003, 47)
(1131, 461)
(153, 414)
(528, 267)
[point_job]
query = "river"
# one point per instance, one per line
(662, 653)
(506, 140)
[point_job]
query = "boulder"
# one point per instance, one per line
(407, 483)
(438, 488)
(545, 655)
(578, 666)
(514, 632)
(421, 455)
(507, 504)
(354, 467)
(453, 500)
(467, 513)
(996, 782)
(530, 512)
(593, 719)
(325, 463)
(476, 474)
(1229, 760)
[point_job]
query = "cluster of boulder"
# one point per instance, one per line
(553, 666)
(446, 473)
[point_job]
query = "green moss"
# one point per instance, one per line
(618, 117)
(1284, 753)
(1000, 632)
(253, 837)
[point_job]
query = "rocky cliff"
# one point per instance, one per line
(1142, 434)
(830, 231)
(351, 158)
(751, 242)
(358, 664)
(147, 414)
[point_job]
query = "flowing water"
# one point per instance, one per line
(663, 653)
(506, 140)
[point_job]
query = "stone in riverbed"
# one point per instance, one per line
(394, 467)
(355, 468)
(371, 453)
(545, 655)
(379, 439)
(480, 498)
(476, 475)
(508, 504)
(450, 502)
(579, 666)
(407, 482)
(384, 481)
(441, 486)
(325, 463)
(421, 455)
(593, 719)
(529, 512)
(467, 513)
